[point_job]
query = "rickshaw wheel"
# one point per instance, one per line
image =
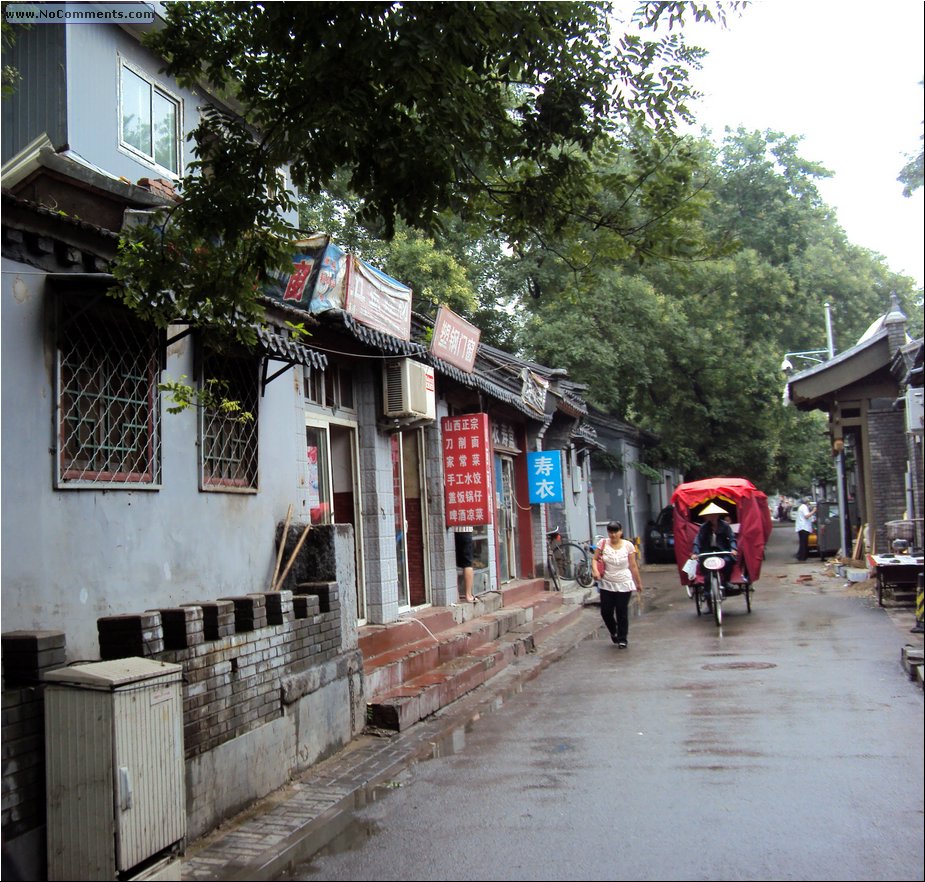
(716, 599)
(748, 597)
(698, 599)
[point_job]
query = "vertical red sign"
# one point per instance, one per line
(467, 470)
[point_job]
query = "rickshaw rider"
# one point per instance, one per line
(716, 535)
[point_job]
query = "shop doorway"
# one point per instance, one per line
(334, 487)
(410, 501)
(507, 518)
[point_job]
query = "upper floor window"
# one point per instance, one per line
(108, 405)
(150, 120)
(332, 387)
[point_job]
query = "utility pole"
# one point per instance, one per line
(843, 533)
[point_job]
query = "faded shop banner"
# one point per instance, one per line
(297, 288)
(378, 300)
(325, 277)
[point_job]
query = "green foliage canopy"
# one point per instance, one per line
(489, 110)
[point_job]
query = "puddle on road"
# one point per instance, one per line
(356, 831)
(454, 741)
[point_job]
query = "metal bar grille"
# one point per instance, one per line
(108, 406)
(228, 442)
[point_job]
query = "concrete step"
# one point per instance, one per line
(406, 683)
(391, 669)
(429, 624)
(912, 660)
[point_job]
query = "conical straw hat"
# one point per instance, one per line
(713, 508)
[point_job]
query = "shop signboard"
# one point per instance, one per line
(296, 287)
(331, 281)
(378, 300)
(466, 470)
(455, 340)
(533, 390)
(544, 471)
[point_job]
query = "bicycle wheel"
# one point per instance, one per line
(716, 599)
(583, 570)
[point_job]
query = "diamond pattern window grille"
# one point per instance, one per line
(108, 404)
(228, 443)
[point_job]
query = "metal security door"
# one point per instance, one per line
(410, 518)
(507, 518)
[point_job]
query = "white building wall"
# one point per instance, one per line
(378, 512)
(72, 556)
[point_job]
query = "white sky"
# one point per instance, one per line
(844, 74)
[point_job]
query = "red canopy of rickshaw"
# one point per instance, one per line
(751, 513)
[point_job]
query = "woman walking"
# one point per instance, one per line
(615, 560)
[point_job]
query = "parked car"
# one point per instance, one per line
(658, 546)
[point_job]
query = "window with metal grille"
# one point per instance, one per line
(108, 405)
(228, 437)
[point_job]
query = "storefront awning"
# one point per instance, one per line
(275, 347)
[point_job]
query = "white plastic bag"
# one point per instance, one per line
(690, 568)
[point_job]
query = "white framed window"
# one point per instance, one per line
(108, 406)
(150, 119)
(331, 388)
(318, 456)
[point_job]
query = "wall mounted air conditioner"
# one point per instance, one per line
(408, 389)
(915, 409)
(115, 774)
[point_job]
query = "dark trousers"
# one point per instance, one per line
(803, 549)
(615, 613)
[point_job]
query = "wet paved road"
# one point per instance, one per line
(786, 746)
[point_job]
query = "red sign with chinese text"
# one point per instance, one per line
(455, 340)
(467, 470)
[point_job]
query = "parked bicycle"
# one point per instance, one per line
(568, 560)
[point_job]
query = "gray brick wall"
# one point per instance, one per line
(234, 682)
(888, 453)
(245, 659)
(26, 656)
(914, 443)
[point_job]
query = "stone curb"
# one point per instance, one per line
(298, 820)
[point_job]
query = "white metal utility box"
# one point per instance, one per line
(115, 779)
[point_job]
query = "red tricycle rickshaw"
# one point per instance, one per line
(746, 509)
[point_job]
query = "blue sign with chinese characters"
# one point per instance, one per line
(544, 474)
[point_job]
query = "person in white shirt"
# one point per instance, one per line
(806, 513)
(615, 557)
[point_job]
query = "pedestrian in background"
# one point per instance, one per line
(464, 559)
(615, 560)
(806, 513)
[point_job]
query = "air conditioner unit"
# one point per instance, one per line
(408, 389)
(915, 409)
